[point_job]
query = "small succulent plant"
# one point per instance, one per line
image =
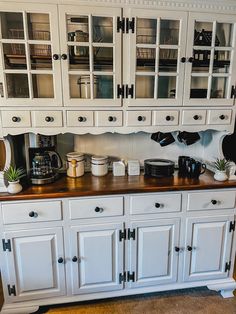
(221, 164)
(13, 174)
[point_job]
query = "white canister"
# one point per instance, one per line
(75, 163)
(99, 165)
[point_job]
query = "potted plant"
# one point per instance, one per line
(221, 166)
(13, 176)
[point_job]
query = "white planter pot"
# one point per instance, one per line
(14, 187)
(220, 175)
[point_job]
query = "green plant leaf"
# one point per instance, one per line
(13, 174)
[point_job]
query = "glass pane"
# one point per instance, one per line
(40, 57)
(219, 87)
(42, 86)
(168, 60)
(203, 33)
(224, 32)
(80, 86)
(169, 32)
(146, 31)
(199, 87)
(144, 86)
(201, 60)
(102, 29)
(166, 86)
(145, 59)
(12, 25)
(78, 28)
(103, 59)
(14, 56)
(79, 58)
(103, 86)
(17, 85)
(221, 62)
(38, 26)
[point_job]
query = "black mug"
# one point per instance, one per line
(182, 163)
(163, 139)
(188, 138)
(195, 169)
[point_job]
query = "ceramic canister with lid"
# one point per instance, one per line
(75, 163)
(99, 165)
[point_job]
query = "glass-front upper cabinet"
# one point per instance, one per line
(156, 45)
(91, 56)
(29, 75)
(210, 60)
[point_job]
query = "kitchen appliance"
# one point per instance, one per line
(158, 167)
(75, 164)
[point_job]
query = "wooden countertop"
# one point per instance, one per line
(89, 185)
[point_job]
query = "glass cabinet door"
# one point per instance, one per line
(156, 49)
(91, 56)
(210, 60)
(28, 40)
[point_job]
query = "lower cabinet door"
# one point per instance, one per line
(153, 256)
(96, 258)
(35, 263)
(208, 247)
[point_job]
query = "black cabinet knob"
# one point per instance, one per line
(49, 119)
(98, 209)
(33, 214)
(110, 119)
(81, 119)
(213, 202)
(222, 117)
(64, 56)
(177, 249)
(190, 59)
(55, 56)
(196, 117)
(16, 119)
(168, 118)
(189, 248)
(140, 118)
(60, 260)
(183, 59)
(74, 259)
(157, 205)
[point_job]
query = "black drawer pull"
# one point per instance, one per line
(74, 259)
(183, 59)
(49, 119)
(189, 248)
(16, 119)
(82, 119)
(213, 202)
(222, 117)
(55, 56)
(141, 118)
(98, 209)
(196, 117)
(64, 56)
(33, 214)
(60, 260)
(177, 249)
(157, 205)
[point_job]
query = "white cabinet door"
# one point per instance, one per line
(34, 263)
(210, 53)
(29, 55)
(156, 48)
(96, 258)
(152, 254)
(208, 246)
(91, 55)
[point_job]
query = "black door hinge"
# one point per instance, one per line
(131, 234)
(120, 24)
(232, 226)
(233, 91)
(120, 91)
(122, 235)
(131, 276)
(11, 289)
(122, 277)
(129, 91)
(227, 266)
(130, 24)
(6, 244)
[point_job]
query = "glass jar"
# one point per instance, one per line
(99, 165)
(75, 162)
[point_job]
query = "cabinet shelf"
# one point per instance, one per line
(18, 61)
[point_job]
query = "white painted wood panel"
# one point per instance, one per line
(194, 117)
(16, 119)
(80, 118)
(138, 118)
(219, 117)
(108, 118)
(165, 117)
(47, 118)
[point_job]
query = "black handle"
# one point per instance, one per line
(168, 118)
(16, 119)
(81, 119)
(33, 214)
(74, 259)
(49, 119)
(183, 59)
(177, 249)
(64, 56)
(110, 118)
(222, 117)
(157, 205)
(140, 118)
(190, 59)
(189, 248)
(196, 117)
(98, 209)
(55, 56)
(60, 260)
(213, 202)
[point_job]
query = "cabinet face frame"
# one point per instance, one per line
(89, 12)
(51, 11)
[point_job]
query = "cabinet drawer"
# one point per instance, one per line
(219, 116)
(164, 117)
(16, 119)
(108, 118)
(194, 117)
(155, 203)
(96, 207)
(47, 118)
(211, 200)
(79, 118)
(138, 118)
(23, 212)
